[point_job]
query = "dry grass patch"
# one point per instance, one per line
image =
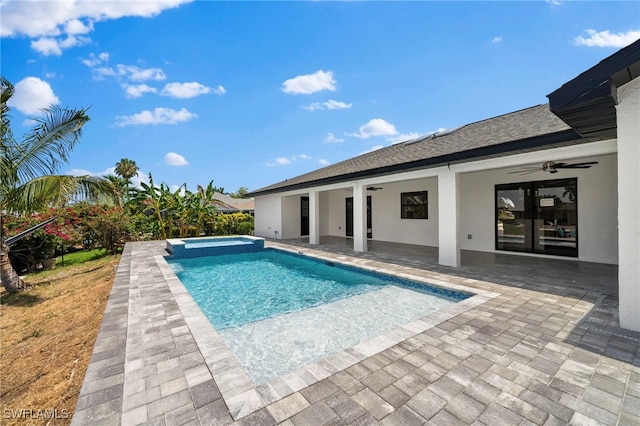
(46, 338)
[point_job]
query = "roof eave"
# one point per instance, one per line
(568, 136)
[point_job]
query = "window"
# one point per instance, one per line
(414, 205)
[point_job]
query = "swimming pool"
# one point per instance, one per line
(213, 246)
(279, 311)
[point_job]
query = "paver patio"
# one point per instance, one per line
(539, 346)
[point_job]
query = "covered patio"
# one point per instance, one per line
(597, 282)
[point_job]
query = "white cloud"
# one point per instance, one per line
(310, 83)
(375, 127)
(330, 138)
(135, 180)
(129, 72)
(94, 60)
(553, 3)
(606, 38)
(219, 90)
(185, 90)
(47, 46)
(157, 116)
(279, 161)
(76, 26)
(136, 91)
(330, 104)
(323, 162)
(496, 39)
(135, 73)
(283, 161)
(57, 20)
(31, 95)
(83, 172)
(175, 159)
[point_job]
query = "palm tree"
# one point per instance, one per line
(27, 170)
(127, 169)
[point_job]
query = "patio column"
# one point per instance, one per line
(359, 217)
(314, 217)
(628, 111)
(448, 216)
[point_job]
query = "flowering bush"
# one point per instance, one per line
(79, 226)
(29, 252)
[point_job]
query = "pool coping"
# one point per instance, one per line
(243, 397)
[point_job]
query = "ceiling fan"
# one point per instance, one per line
(552, 166)
(373, 188)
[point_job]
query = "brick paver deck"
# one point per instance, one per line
(540, 348)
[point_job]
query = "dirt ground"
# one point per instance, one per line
(47, 335)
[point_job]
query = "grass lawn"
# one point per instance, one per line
(47, 335)
(80, 257)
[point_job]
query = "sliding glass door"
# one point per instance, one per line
(538, 217)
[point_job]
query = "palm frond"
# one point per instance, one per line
(58, 190)
(48, 145)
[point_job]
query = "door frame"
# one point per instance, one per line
(304, 216)
(533, 213)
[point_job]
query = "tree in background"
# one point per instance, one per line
(28, 182)
(127, 169)
(241, 193)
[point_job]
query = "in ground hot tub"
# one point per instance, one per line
(213, 246)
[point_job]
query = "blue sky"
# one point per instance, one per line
(252, 93)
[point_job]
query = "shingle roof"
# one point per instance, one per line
(525, 130)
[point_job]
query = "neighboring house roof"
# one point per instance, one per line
(521, 131)
(228, 204)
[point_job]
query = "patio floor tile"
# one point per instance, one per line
(538, 347)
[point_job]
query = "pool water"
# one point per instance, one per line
(278, 312)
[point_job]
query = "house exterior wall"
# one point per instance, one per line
(597, 210)
(336, 211)
(386, 222)
(597, 207)
(268, 218)
(324, 213)
(291, 216)
(628, 111)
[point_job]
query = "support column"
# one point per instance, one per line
(448, 218)
(628, 111)
(314, 217)
(359, 217)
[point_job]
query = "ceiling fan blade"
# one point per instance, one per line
(525, 169)
(575, 165)
(530, 171)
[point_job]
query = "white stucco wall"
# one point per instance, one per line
(628, 112)
(336, 211)
(291, 216)
(387, 224)
(597, 207)
(268, 216)
(324, 213)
